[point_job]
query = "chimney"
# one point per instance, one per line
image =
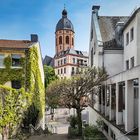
(34, 38)
(95, 9)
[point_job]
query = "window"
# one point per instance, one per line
(72, 72)
(132, 62)
(65, 60)
(1, 60)
(16, 84)
(61, 71)
(16, 60)
(61, 62)
(127, 38)
(91, 36)
(58, 62)
(73, 60)
(131, 34)
(72, 41)
(64, 70)
(58, 71)
(60, 47)
(127, 64)
(67, 39)
(60, 39)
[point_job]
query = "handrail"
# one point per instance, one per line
(126, 133)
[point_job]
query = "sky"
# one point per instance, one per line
(20, 18)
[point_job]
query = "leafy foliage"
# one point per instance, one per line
(75, 92)
(49, 75)
(73, 121)
(12, 105)
(9, 74)
(34, 83)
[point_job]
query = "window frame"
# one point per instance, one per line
(127, 64)
(127, 38)
(132, 62)
(17, 60)
(132, 34)
(67, 39)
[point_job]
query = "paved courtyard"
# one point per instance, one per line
(51, 137)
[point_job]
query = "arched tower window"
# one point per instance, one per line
(60, 40)
(67, 39)
(72, 41)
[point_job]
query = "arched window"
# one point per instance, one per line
(67, 39)
(60, 40)
(72, 41)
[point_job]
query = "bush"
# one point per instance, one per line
(73, 121)
(72, 132)
(91, 131)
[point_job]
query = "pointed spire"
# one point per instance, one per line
(64, 12)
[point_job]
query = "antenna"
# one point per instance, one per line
(64, 5)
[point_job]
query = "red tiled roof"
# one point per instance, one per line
(15, 44)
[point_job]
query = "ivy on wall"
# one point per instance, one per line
(8, 73)
(30, 76)
(12, 105)
(34, 82)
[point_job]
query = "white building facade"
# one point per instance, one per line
(115, 46)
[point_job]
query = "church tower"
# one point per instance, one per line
(64, 34)
(67, 60)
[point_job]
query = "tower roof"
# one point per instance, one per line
(64, 23)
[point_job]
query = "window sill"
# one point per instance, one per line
(2, 67)
(16, 67)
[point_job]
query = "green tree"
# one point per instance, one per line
(75, 92)
(49, 75)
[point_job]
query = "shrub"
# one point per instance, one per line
(73, 121)
(72, 132)
(91, 131)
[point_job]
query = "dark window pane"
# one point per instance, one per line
(16, 84)
(16, 60)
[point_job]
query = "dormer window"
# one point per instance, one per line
(16, 60)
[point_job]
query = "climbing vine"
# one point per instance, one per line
(8, 73)
(34, 82)
(13, 103)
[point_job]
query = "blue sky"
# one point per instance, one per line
(20, 18)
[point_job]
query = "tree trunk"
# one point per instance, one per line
(5, 133)
(79, 121)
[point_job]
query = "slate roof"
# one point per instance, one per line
(107, 26)
(64, 23)
(72, 52)
(49, 61)
(15, 44)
